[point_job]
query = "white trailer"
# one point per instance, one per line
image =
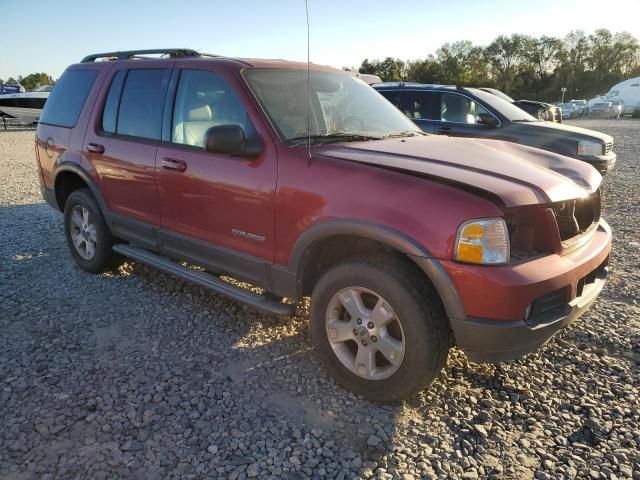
(628, 92)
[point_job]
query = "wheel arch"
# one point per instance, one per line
(341, 239)
(70, 176)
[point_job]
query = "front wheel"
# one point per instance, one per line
(379, 329)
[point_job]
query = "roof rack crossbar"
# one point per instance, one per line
(128, 54)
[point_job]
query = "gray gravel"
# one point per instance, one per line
(136, 374)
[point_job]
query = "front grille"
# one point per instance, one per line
(576, 217)
(607, 147)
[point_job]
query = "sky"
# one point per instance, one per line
(47, 36)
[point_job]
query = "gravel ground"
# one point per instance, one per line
(136, 374)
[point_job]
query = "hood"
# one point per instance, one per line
(517, 174)
(564, 131)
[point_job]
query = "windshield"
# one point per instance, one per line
(508, 110)
(342, 107)
(500, 94)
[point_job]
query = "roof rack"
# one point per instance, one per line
(129, 54)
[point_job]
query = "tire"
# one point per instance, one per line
(94, 241)
(419, 324)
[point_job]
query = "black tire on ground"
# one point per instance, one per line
(104, 258)
(424, 324)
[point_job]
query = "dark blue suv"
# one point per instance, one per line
(471, 112)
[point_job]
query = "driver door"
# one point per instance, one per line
(211, 203)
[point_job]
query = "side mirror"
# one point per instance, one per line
(231, 140)
(487, 120)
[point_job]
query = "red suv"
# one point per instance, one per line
(309, 183)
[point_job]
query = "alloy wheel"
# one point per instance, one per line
(365, 333)
(83, 232)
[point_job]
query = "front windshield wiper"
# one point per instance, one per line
(406, 133)
(525, 120)
(334, 137)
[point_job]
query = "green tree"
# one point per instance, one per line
(506, 55)
(35, 80)
(389, 70)
(524, 66)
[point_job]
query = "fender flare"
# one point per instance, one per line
(86, 178)
(395, 239)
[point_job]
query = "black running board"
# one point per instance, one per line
(205, 280)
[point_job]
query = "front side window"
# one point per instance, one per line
(342, 107)
(65, 102)
(204, 100)
(141, 104)
(459, 109)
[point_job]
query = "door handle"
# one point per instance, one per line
(173, 164)
(95, 148)
(443, 129)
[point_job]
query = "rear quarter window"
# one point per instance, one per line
(69, 95)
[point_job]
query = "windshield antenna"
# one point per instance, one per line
(306, 6)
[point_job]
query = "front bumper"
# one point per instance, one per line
(501, 320)
(602, 163)
(498, 341)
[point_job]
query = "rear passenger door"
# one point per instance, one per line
(122, 144)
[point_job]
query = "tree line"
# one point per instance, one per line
(31, 81)
(525, 67)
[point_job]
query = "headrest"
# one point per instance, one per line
(199, 114)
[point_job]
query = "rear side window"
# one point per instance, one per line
(418, 105)
(141, 104)
(392, 95)
(65, 102)
(110, 113)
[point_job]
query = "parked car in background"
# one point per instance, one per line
(220, 163)
(603, 109)
(628, 92)
(618, 108)
(367, 78)
(568, 110)
(540, 110)
(471, 112)
(581, 107)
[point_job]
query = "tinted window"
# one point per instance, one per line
(65, 102)
(140, 113)
(204, 100)
(459, 109)
(418, 105)
(392, 95)
(110, 114)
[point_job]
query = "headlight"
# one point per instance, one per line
(483, 241)
(586, 147)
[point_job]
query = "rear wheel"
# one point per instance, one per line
(88, 235)
(378, 328)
